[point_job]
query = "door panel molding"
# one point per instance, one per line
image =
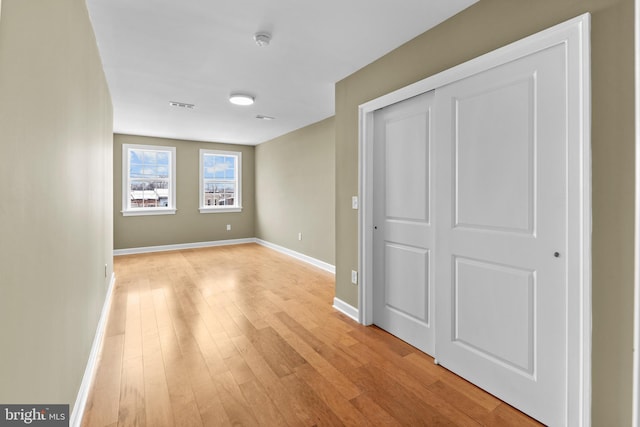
(470, 297)
(573, 36)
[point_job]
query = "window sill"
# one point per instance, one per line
(144, 212)
(221, 210)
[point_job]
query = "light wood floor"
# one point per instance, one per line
(243, 335)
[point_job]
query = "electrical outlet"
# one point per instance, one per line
(354, 277)
(228, 227)
(299, 236)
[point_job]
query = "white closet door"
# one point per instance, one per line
(403, 236)
(501, 297)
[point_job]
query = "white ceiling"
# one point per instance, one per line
(199, 51)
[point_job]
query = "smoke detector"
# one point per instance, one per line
(262, 39)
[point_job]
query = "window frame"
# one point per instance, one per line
(237, 207)
(171, 208)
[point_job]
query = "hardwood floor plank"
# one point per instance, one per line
(116, 325)
(157, 400)
(373, 412)
(219, 313)
(216, 331)
(213, 359)
(334, 334)
(163, 317)
(243, 335)
(314, 409)
(470, 407)
(205, 392)
(183, 401)
(419, 372)
(265, 409)
(420, 390)
(244, 325)
(239, 369)
(250, 311)
(110, 363)
(286, 403)
(464, 387)
(277, 351)
(331, 397)
(330, 372)
(183, 330)
(375, 337)
(132, 405)
(505, 415)
(102, 407)
(397, 400)
(225, 346)
(336, 357)
(156, 391)
(294, 309)
(133, 334)
(236, 407)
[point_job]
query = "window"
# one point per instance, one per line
(148, 180)
(220, 183)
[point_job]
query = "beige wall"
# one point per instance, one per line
(188, 225)
(295, 180)
(487, 25)
(55, 209)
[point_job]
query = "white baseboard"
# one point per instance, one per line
(302, 257)
(196, 245)
(83, 394)
(346, 309)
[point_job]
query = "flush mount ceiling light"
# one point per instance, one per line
(261, 117)
(262, 38)
(241, 99)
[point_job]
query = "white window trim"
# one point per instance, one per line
(221, 209)
(171, 210)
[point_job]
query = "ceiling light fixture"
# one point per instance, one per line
(262, 38)
(241, 99)
(261, 117)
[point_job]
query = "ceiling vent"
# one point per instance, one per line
(182, 105)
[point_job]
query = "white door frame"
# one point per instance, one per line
(636, 308)
(574, 35)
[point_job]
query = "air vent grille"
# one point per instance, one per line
(182, 105)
